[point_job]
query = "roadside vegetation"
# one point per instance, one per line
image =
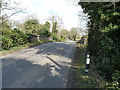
(15, 35)
(82, 79)
(20, 37)
(15, 39)
(21, 47)
(104, 39)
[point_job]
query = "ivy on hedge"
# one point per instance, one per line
(104, 38)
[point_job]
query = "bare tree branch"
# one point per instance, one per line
(6, 6)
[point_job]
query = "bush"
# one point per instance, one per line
(19, 38)
(13, 38)
(55, 37)
(7, 43)
(43, 33)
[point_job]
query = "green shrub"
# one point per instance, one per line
(104, 38)
(7, 43)
(19, 38)
(55, 37)
(13, 38)
(43, 33)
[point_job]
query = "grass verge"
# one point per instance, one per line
(83, 80)
(21, 47)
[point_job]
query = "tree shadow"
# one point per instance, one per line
(56, 48)
(25, 74)
(19, 72)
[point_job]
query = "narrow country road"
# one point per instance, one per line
(42, 66)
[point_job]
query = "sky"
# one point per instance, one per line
(68, 10)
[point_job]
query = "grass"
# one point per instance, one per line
(83, 80)
(21, 47)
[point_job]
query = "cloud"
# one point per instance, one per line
(45, 8)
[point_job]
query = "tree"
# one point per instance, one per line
(103, 41)
(74, 33)
(17, 24)
(31, 25)
(8, 8)
(47, 26)
(43, 33)
(54, 28)
(63, 34)
(57, 19)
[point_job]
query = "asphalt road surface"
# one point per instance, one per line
(42, 66)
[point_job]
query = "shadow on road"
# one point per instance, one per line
(60, 49)
(54, 62)
(23, 73)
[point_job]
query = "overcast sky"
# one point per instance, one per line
(68, 10)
